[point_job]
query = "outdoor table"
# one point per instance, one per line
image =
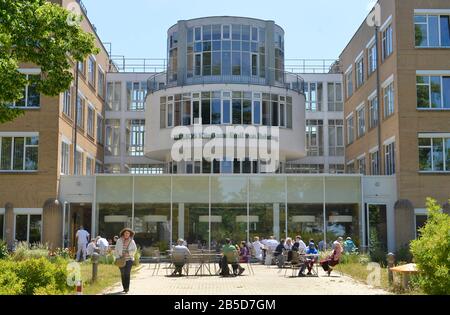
(316, 262)
(204, 260)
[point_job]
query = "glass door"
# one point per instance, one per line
(376, 229)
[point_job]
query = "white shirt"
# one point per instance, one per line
(90, 249)
(301, 246)
(83, 237)
(272, 244)
(257, 246)
(103, 243)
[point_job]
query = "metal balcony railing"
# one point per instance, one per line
(311, 65)
(143, 65)
(289, 80)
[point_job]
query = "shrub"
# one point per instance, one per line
(431, 251)
(23, 252)
(10, 283)
(137, 257)
(3, 250)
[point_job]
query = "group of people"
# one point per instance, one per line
(86, 248)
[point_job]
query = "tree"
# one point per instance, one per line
(43, 34)
(431, 251)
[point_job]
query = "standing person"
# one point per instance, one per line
(126, 248)
(82, 237)
(257, 246)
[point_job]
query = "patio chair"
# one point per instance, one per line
(180, 259)
(296, 263)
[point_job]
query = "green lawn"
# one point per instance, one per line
(108, 275)
(361, 272)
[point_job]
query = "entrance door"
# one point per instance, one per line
(80, 215)
(376, 227)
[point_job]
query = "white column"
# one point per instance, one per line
(181, 220)
(276, 220)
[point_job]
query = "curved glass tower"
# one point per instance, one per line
(225, 72)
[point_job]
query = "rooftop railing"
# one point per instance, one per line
(289, 80)
(311, 65)
(124, 64)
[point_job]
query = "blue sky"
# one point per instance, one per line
(315, 29)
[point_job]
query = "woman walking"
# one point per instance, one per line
(124, 252)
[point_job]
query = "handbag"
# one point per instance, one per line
(121, 261)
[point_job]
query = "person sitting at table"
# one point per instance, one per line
(299, 245)
(258, 248)
(230, 256)
(182, 253)
(288, 245)
(334, 258)
(244, 253)
(311, 250)
(278, 254)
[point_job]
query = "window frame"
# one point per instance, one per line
(439, 30)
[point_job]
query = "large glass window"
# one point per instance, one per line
(101, 83)
(361, 116)
(114, 91)
(65, 158)
(350, 130)
(374, 165)
(135, 137)
(136, 93)
(433, 92)
(91, 71)
(31, 97)
(372, 56)
(388, 98)
(335, 103)
(314, 96)
(387, 42)
(90, 121)
(349, 83)
(67, 103)
(432, 30)
(336, 137)
(359, 72)
(99, 126)
(112, 141)
(389, 158)
(373, 112)
(362, 165)
(80, 111)
(28, 228)
(314, 137)
(434, 154)
(19, 153)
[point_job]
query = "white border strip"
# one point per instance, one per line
(27, 211)
(432, 11)
(387, 81)
(360, 106)
(372, 95)
(359, 57)
(434, 135)
(65, 140)
(432, 72)
(349, 115)
(420, 211)
(374, 149)
(18, 134)
(389, 140)
(350, 162)
(361, 156)
(32, 71)
(371, 42)
(348, 69)
(386, 23)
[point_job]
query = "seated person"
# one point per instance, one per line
(180, 253)
(278, 254)
(349, 246)
(91, 248)
(258, 248)
(311, 250)
(244, 253)
(230, 256)
(102, 244)
(333, 259)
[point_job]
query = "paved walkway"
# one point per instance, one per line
(265, 281)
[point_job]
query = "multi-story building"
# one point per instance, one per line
(38, 147)
(399, 126)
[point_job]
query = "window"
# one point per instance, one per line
(114, 91)
(434, 153)
(433, 92)
(136, 93)
(374, 167)
(67, 103)
(387, 42)
(389, 158)
(145, 169)
(99, 129)
(91, 71)
(98, 167)
(90, 121)
(80, 111)
(336, 169)
(432, 30)
(362, 165)
(135, 138)
(349, 83)
(350, 167)
(291, 168)
(28, 228)
(335, 103)
(19, 153)
(373, 112)
(359, 72)
(101, 83)
(112, 134)
(373, 60)
(78, 163)
(89, 165)
(31, 97)
(388, 98)
(314, 96)
(361, 119)
(335, 137)
(65, 158)
(82, 68)
(314, 137)
(350, 130)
